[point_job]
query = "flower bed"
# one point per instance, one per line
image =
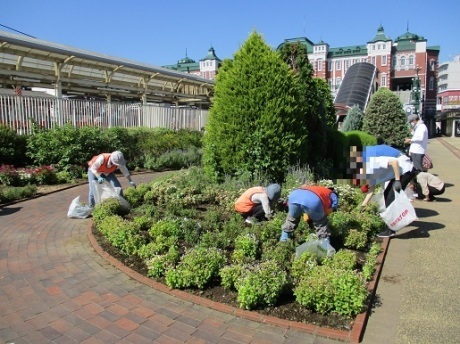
(183, 232)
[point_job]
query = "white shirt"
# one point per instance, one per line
(261, 197)
(378, 170)
(419, 139)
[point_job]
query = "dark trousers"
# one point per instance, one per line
(257, 211)
(433, 191)
(417, 161)
(389, 193)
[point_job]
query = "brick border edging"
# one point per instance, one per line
(352, 336)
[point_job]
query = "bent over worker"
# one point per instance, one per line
(256, 203)
(102, 168)
(315, 201)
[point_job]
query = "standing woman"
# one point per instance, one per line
(102, 168)
(418, 142)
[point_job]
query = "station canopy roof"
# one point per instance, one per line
(31, 62)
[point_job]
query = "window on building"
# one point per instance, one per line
(432, 64)
(384, 60)
(329, 65)
(338, 82)
(373, 60)
(378, 47)
(431, 85)
(384, 46)
(347, 64)
(338, 65)
(329, 82)
(373, 46)
(403, 61)
(394, 61)
(383, 81)
(411, 60)
(320, 64)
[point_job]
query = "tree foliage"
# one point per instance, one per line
(385, 119)
(316, 101)
(353, 120)
(255, 124)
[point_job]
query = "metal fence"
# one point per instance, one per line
(18, 112)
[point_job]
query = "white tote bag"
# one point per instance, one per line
(400, 213)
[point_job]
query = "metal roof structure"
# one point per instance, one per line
(357, 86)
(31, 62)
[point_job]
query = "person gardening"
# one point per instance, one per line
(257, 203)
(315, 201)
(102, 167)
(383, 164)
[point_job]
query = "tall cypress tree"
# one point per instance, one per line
(385, 119)
(254, 122)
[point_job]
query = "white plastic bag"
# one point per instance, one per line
(78, 210)
(321, 247)
(400, 213)
(106, 190)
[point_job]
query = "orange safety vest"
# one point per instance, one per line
(103, 168)
(323, 193)
(244, 203)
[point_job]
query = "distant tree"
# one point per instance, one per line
(255, 124)
(385, 119)
(353, 120)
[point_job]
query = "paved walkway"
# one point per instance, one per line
(54, 288)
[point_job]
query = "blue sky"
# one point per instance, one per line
(163, 32)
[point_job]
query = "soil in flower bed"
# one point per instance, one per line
(286, 308)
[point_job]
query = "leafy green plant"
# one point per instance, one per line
(344, 260)
(158, 265)
(261, 285)
(246, 248)
(196, 268)
(327, 290)
(371, 261)
(12, 193)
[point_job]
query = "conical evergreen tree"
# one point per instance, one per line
(354, 119)
(254, 122)
(385, 119)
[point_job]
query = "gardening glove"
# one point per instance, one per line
(132, 184)
(100, 179)
(397, 185)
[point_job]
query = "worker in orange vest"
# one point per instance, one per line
(315, 201)
(256, 203)
(102, 168)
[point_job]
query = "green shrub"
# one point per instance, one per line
(122, 234)
(281, 252)
(327, 290)
(230, 274)
(302, 266)
(261, 285)
(360, 139)
(12, 193)
(197, 268)
(13, 148)
(246, 248)
(343, 260)
(158, 265)
(108, 207)
(371, 261)
(356, 239)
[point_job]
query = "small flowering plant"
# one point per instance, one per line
(42, 175)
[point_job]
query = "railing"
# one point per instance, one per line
(18, 112)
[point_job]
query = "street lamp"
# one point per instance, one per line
(415, 94)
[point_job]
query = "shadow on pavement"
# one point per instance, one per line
(422, 212)
(9, 211)
(422, 230)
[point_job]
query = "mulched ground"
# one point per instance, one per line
(285, 309)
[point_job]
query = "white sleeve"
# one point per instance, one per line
(97, 163)
(263, 199)
(124, 170)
